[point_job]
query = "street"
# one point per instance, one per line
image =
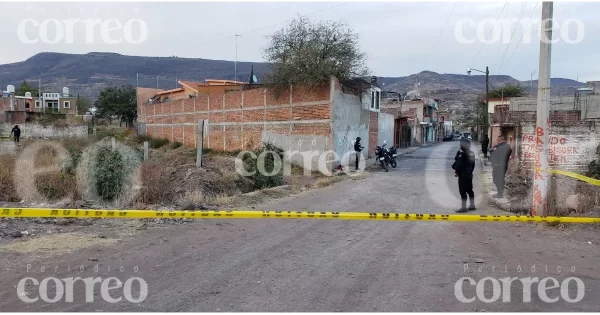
(324, 265)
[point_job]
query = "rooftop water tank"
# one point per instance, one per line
(10, 89)
(28, 94)
(65, 92)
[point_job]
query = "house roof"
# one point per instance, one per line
(170, 91)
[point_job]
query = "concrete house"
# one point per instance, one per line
(20, 109)
(323, 120)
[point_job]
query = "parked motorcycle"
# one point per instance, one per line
(392, 154)
(382, 157)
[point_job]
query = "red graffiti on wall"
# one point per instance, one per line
(561, 150)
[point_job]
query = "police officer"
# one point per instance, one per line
(464, 164)
(499, 158)
(16, 131)
(357, 148)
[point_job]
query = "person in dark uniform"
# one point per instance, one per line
(16, 131)
(484, 145)
(499, 158)
(357, 148)
(464, 164)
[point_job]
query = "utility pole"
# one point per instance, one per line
(236, 56)
(540, 174)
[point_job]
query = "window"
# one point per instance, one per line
(372, 100)
(37, 104)
(377, 93)
(67, 104)
(27, 106)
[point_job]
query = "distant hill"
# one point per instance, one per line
(87, 74)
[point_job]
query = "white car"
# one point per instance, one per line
(469, 137)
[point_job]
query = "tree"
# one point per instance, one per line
(310, 53)
(509, 90)
(24, 88)
(118, 101)
(83, 105)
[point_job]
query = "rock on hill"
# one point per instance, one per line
(87, 74)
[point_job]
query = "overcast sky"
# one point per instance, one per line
(400, 38)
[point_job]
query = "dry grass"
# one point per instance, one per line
(156, 187)
(7, 187)
(327, 181)
(221, 200)
(49, 245)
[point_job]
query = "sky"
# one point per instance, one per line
(400, 38)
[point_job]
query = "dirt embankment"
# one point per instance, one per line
(169, 179)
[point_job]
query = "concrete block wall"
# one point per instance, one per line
(37, 131)
(572, 146)
(385, 129)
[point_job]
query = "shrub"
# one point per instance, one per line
(156, 143)
(110, 173)
(176, 145)
(265, 179)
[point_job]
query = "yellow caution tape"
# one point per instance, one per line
(580, 177)
(244, 214)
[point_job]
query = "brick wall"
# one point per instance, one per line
(572, 145)
(373, 132)
(239, 119)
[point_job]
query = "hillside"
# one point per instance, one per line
(87, 74)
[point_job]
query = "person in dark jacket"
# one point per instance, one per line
(357, 148)
(464, 164)
(499, 158)
(16, 131)
(484, 146)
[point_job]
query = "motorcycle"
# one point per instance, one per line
(392, 154)
(382, 157)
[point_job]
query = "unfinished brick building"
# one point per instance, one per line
(321, 119)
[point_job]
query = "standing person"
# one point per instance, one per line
(499, 158)
(484, 146)
(16, 131)
(357, 149)
(464, 164)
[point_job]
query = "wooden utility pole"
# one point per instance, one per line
(540, 174)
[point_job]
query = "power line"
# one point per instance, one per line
(439, 35)
(519, 42)
(524, 5)
(268, 26)
(500, 46)
(479, 52)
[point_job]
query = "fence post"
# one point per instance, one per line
(145, 150)
(200, 143)
(114, 144)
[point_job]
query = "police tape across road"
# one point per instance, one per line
(244, 214)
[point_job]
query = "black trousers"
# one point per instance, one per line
(484, 150)
(498, 174)
(465, 188)
(17, 138)
(357, 154)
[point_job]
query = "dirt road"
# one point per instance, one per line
(293, 265)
